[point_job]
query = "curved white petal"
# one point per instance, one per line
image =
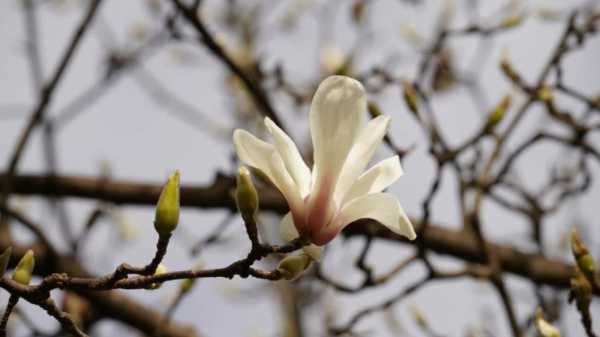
(292, 159)
(367, 142)
(375, 179)
(289, 232)
(336, 116)
(284, 182)
(263, 156)
(382, 207)
(251, 150)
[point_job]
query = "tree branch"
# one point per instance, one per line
(459, 244)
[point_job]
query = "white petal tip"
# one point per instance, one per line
(341, 87)
(408, 230)
(405, 230)
(238, 134)
(268, 122)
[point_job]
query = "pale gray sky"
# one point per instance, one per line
(143, 141)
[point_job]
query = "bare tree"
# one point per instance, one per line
(487, 170)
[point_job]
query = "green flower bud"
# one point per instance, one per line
(497, 114)
(160, 269)
(577, 246)
(544, 328)
(410, 97)
(4, 259)
(581, 292)
(187, 285)
(508, 69)
(512, 21)
(292, 266)
(24, 268)
(374, 109)
(587, 264)
(246, 196)
(167, 208)
(582, 256)
(545, 94)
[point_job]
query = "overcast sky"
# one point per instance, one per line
(143, 141)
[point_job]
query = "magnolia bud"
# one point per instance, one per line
(187, 285)
(24, 268)
(374, 109)
(167, 208)
(358, 11)
(582, 256)
(419, 317)
(497, 114)
(544, 328)
(160, 269)
(512, 21)
(292, 266)
(581, 291)
(577, 246)
(246, 196)
(4, 259)
(410, 97)
(507, 68)
(544, 93)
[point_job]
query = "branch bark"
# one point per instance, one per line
(111, 304)
(460, 244)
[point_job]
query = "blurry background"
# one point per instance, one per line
(143, 97)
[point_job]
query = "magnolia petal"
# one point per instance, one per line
(381, 207)
(263, 156)
(284, 182)
(336, 116)
(251, 150)
(375, 179)
(289, 232)
(292, 159)
(367, 142)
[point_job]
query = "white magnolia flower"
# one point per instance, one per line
(337, 191)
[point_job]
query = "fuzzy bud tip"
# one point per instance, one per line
(292, 266)
(167, 209)
(499, 111)
(246, 196)
(160, 269)
(410, 97)
(24, 268)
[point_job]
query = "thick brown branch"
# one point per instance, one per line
(464, 245)
(216, 195)
(459, 244)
